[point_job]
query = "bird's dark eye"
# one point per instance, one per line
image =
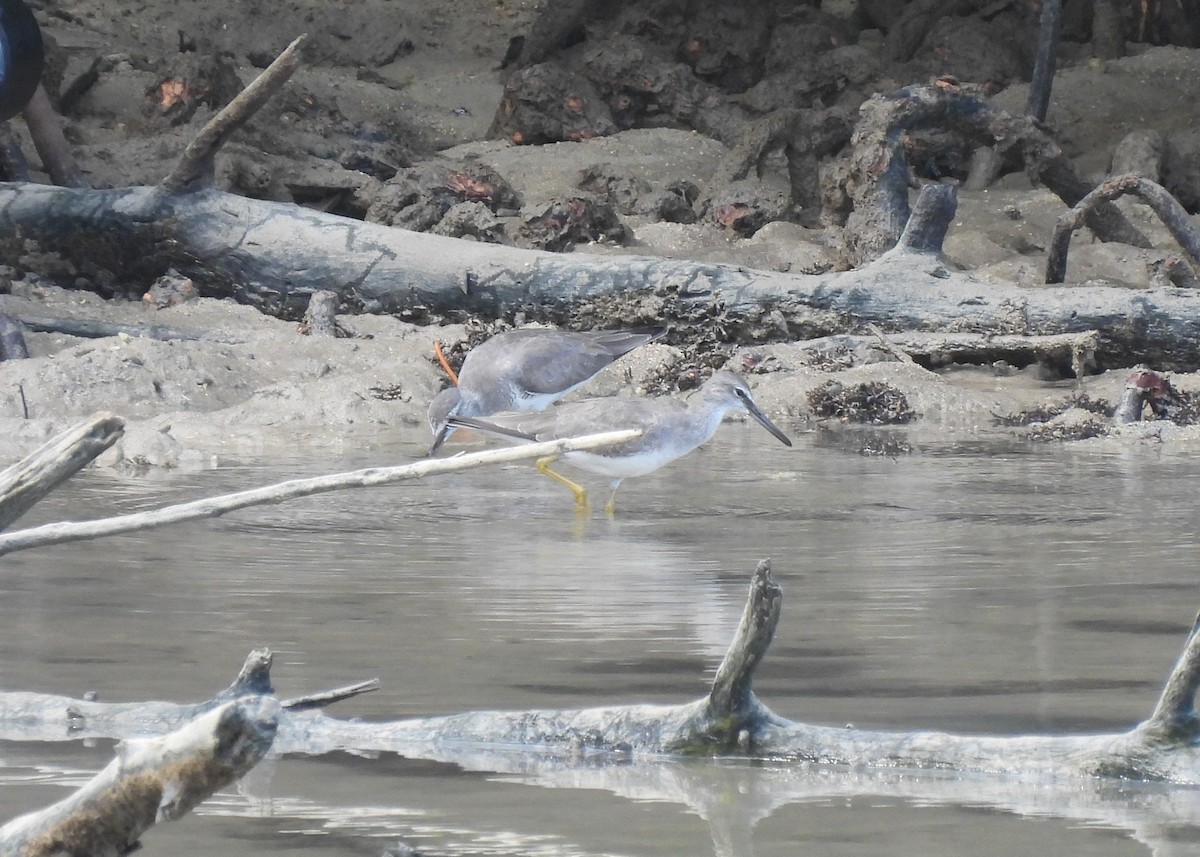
(740, 392)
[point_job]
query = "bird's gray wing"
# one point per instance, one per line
(562, 360)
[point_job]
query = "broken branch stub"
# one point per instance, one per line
(731, 692)
(194, 169)
(151, 780)
(33, 477)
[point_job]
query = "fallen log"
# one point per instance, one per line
(1066, 353)
(1161, 749)
(729, 721)
(276, 255)
(152, 780)
(212, 507)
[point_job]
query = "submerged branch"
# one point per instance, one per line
(729, 721)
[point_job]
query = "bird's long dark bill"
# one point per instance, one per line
(491, 428)
(439, 439)
(766, 423)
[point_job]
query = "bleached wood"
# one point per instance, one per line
(370, 477)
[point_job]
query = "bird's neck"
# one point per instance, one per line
(706, 416)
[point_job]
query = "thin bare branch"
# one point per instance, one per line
(213, 507)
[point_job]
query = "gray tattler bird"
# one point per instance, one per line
(527, 370)
(670, 429)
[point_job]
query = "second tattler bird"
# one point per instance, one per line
(528, 370)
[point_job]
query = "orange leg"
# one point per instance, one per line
(437, 350)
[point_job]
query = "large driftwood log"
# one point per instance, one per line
(212, 507)
(276, 255)
(151, 780)
(729, 721)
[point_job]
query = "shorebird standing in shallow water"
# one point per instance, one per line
(670, 429)
(527, 370)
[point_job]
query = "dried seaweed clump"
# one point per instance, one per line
(1186, 409)
(871, 403)
(1073, 424)
(1045, 413)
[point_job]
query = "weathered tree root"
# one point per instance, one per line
(729, 721)
(874, 180)
(151, 780)
(1168, 209)
(1044, 60)
(45, 127)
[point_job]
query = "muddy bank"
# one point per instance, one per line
(393, 94)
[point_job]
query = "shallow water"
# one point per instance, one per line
(968, 587)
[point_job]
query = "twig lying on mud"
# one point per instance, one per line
(370, 477)
(151, 780)
(92, 329)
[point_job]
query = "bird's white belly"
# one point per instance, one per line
(621, 466)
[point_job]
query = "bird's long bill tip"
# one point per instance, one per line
(439, 439)
(762, 420)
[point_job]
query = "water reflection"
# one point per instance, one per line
(970, 587)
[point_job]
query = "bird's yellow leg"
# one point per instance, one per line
(581, 497)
